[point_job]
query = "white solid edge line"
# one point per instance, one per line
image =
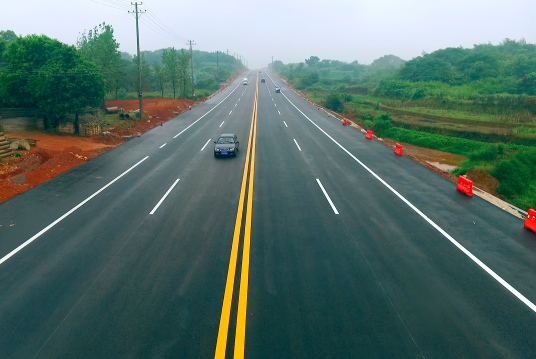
(488, 270)
(209, 111)
(163, 145)
(296, 142)
(164, 197)
(222, 123)
(285, 124)
(206, 144)
(327, 196)
(13, 252)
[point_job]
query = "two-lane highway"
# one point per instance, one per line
(313, 242)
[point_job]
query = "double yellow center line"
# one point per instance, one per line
(240, 335)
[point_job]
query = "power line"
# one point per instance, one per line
(163, 31)
(157, 31)
(115, 7)
(118, 3)
(164, 25)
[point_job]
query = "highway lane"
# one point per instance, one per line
(112, 280)
(339, 281)
(490, 231)
(374, 280)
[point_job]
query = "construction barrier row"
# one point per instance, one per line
(465, 185)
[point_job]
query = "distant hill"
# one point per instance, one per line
(457, 66)
(388, 61)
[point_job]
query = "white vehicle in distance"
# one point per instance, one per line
(245, 81)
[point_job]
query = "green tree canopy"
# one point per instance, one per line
(170, 58)
(46, 73)
(100, 47)
(312, 61)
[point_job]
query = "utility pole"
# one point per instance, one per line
(217, 70)
(137, 14)
(272, 64)
(192, 62)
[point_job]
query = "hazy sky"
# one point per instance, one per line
(290, 30)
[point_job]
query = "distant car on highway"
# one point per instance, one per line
(245, 82)
(226, 145)
(277, 89)
(263, 80)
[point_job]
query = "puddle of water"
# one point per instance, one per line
(442, 166)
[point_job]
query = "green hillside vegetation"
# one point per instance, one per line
(476, 102)
(95, 70)
(327, 75)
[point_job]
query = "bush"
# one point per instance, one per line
(334, 103)
(203, 93)
(381, 123)
(207, 84)
(513, 177)
(488, 152)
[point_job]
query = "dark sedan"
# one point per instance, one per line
(226, 145)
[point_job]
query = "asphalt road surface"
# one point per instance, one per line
(313, 242)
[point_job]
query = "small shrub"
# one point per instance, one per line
(487, 153)
(17, 154)
(367, 117)
(334, 103)
(465, 167)
(381, 123)
(347, 97)
(513, 176)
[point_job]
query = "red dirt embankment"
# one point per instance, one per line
(55, 154)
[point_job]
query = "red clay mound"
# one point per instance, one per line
(54, 155)
(159, 108)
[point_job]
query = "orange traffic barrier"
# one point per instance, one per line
(318, 108)
(369, 135)
(465, 185)
(398, 149)
(530, 222)
(345, 122)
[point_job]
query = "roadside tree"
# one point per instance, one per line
(45, 73)
(184, 74)
(100, 47)
(160, 77)
(170, 58)
(67, 85)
